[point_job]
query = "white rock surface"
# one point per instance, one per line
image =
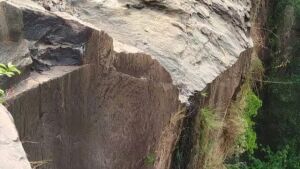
(12, 154)
(195, 40)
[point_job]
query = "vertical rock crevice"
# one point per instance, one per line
(218, 97)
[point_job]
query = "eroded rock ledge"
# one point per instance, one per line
(195, 40)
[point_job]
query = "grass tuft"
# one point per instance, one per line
(150, 159)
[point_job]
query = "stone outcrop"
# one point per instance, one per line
(12, 153)
(83, 105)
(195, 40)
(84, 101)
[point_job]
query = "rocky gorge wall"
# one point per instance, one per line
(84, 101)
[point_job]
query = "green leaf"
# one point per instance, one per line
(8, 70)
(2, 71)
(9, 74)
(2, 92)
(14, 69)
(10, 65)
(3, 66)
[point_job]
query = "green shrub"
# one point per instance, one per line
(253, 103)
(209, 119)
(278, 123)
(247, 106)
(285, 158)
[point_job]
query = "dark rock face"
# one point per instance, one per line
(107, 112)
(58, 41)
(58, 56)
(53, 30)
(48, 39)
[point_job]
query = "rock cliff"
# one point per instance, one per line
(86, 101)
(89, 107)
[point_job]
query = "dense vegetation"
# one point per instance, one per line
(281, 98)
(278, 122)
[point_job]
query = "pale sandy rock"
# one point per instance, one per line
(11, 149)
(194, 40)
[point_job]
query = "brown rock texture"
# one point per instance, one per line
(85, 106)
